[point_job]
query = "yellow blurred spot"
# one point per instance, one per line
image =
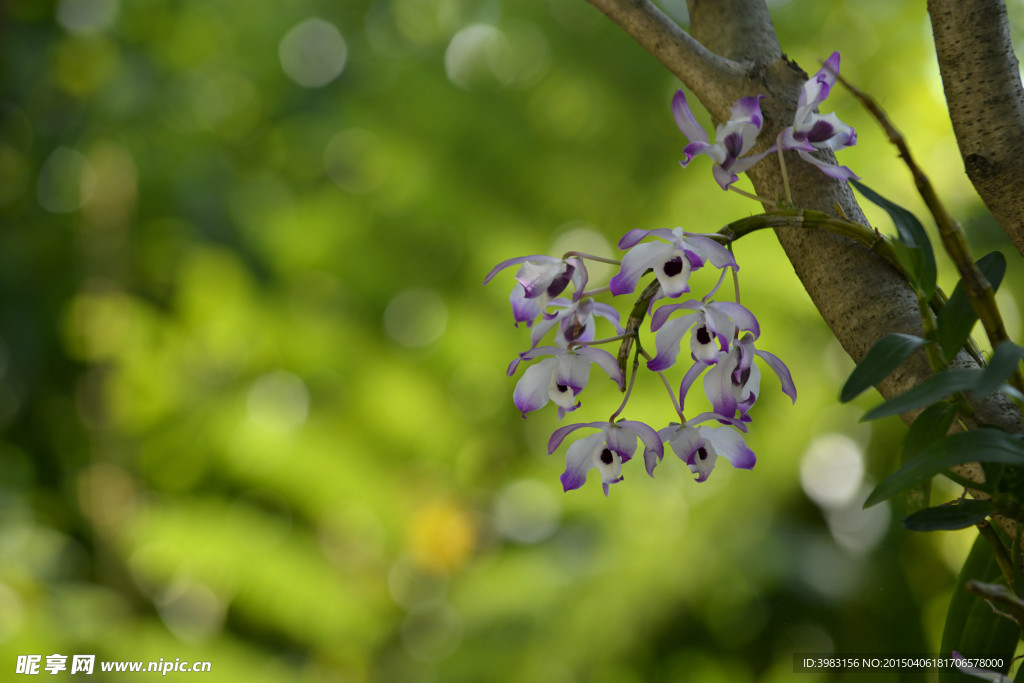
(108, 496)
(441, 536)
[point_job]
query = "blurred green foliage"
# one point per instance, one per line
(253, 407)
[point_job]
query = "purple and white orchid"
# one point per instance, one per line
(733, 139)
(559, 379)
(672, 260)
(734, 381)
(575, 322)
(715, 325)
(606, 451)
(541, 278)
(700, 446)
(811, 132)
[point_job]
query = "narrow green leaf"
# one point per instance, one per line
(1003, 363)
(884, 357)
(957, 317)
(930, 426)
(972, 628)
(911, 235)
(956, 515)
(935, 388)
(980, 565)
(979, 445)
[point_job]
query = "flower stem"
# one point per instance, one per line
(782, 169)
(763, 200)
(721, 279)
(629, 388)
(595, 342)
(598, 290)
(591, 257)
(668, 387)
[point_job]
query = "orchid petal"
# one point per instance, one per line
(531, 392)
(579, 460)
(635, 235)
(505, 264)
(573, 372)
(740, 315)
(831, 170)
(695, 149)
(731, 445)
(635, 263)
(605, 360)
(712, 251)
(622, 440)
(662, 314)
(609, 313)
(654, 450)
(540, 329)
(747, 109)
(780, 369)
(685, 119)
(668, 340)
(524, 310)
(688, 379)
(718, 386)
(559, 434)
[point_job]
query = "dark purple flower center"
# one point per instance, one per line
(673, 266)
(820, 131)
(561, 388)
(733, 144)
(703, 336)
(606, 457)
(561, 281)
(702, 453)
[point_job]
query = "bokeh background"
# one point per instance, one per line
(253, 402)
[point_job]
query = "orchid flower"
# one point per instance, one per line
(811, 132)
(700, 446)
(734, 381)
(715, 325)
(575, 323)
(559, 379)
(540, 279)
(606, 450)
(733, 138)
(672, 260)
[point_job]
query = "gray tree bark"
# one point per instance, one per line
(981, 79)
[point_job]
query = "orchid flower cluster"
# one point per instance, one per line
(809, 133)
(550, 295)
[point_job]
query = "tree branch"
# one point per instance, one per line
(981, 79)
(699, 69)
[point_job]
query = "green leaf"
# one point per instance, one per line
(1003, 363)
(955, 515)
(979, 445)
(930, 426)
(884, 357)
(935, 388)
(912, 248)
(957, 317)
(972, 628)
